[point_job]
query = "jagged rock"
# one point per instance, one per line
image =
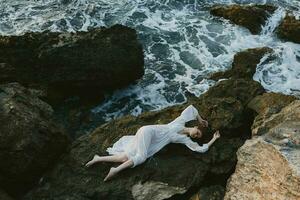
(30, 141)
(269, 164)
(174, 167)
(289, 29)
(262, 173)
(244, 64)
(83, 63)
(253, 17)
(266, 105)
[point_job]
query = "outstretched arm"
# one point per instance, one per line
(194, 146)
(215, 137)
(191, 113)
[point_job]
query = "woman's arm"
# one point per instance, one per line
(215, 137)
(194, 146)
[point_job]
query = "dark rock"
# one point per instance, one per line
(253, 17)
(244, 64)
(289, 29)
(174, 166)
(215, 192)
(30, 141)
(66, 64)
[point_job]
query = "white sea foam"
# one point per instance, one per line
(183, 44)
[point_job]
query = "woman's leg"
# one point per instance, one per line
(114, 170)
(114, 158)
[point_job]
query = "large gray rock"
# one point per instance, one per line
(83, 63)
(30, 141)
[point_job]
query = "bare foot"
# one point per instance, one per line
(93, 161)
(112, 172)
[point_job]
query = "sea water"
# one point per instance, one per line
(183, 45)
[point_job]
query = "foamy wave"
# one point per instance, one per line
(183, 44)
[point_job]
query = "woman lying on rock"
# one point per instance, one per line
(132, 150)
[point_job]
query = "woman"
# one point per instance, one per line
(132, 150)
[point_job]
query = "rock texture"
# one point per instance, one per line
(289, 29)
(174, 170)
(269, 164)
(30, 141)
(244, 64)
(253, 17)
(84, 63)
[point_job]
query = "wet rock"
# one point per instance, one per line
(252, 17)
(244, 64)
(269, 164)
(30, 141)
(289, 29)
(86, 64)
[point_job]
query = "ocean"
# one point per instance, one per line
(183, 45)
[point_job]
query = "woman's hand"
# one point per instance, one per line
(204, 123)
(217, 135)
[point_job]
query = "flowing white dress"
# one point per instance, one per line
(150, 139)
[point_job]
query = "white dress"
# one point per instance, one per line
(150, 139)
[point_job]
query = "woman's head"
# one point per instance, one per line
(195, 132)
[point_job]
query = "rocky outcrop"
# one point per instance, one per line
(267, 105)
(30, 141)
(244, 64)
(83, 63)
(289, 29)
(253, 17)
(269, 164)
(172, 173)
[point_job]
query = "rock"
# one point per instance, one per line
(289, 29)
(266, 105)
(269, 164)
(262, 173)
(244, 64)
(252, 17)
(174, 172)
(30, 141)
(215, 192)
(155, 190)
(86, 64)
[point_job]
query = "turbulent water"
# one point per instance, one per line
(183, 44)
